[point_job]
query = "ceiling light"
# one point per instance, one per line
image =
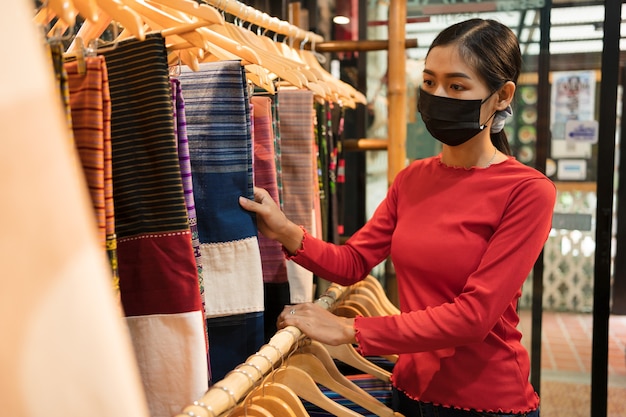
(341, 20)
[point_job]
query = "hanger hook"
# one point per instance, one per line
(304, 41)
(229, 392)
(266, 26)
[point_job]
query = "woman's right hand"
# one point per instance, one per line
(272, 222)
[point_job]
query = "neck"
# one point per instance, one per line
(469, 156)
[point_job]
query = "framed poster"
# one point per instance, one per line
(572, 99)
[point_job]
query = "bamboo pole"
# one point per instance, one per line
(396, 145)
(365, 45)
(365, 144)
(225, 394)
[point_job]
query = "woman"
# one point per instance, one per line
(463, 228)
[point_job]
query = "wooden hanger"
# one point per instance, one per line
(360, 308)
(216, 52)
(269, 61)
(370, 282)
(273, 59)
(63, 9)
(284, 393)
(315, 82)
(345, 310)
(347, 354)
(363, 288)
(317, 362)
(87, 9)
(305, 387)
(275, 405)
(158, 20)
(242, 11)
(370, 304)
(179, 22)
(252, 410)
(180, 26)
(200, 11)
(107, 11)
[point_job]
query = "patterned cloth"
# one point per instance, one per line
(272, 257)
(297, 158)
(220, 147)
(276, 285)
(180, 132)
(158, 273)
(90, 104)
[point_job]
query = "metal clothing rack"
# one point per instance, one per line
(232, 389)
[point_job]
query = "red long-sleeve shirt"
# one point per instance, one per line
(462, 242)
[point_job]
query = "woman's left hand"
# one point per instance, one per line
(318, 323)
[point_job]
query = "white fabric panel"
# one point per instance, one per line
(175, 369)
(233, 278)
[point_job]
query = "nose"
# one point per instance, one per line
(440, 91)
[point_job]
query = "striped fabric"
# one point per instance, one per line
(219, 132)
(277, 149)
(91, 114)
(296, 114)
(272, 257)
(158, 273)
(276, 286)
(90, 103)
(180, 132)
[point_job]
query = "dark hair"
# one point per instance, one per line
(492, 49)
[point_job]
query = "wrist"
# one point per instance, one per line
(291, 238)
(349, 331)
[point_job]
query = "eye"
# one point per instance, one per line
(428, 83)
(456, 87)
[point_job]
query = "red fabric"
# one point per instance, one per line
(462, 243)
(164, 279)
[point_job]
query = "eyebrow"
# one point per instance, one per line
(449, 75)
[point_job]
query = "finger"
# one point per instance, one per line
(248, 204)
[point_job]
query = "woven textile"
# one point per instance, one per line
(296, 113)
(220, 147)
(272, 257)
(158, 273)
(180, 132)
(90, 104)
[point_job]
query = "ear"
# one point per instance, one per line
(505, 95)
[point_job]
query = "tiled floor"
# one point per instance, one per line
(566, 363)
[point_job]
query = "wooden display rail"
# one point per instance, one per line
(365, 144)
(367, 45)
(225, 394)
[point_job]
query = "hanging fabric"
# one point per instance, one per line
(220, 147)
(276, 285)
(158, 273)
(296, 115)
(90, 104)
(180, 132)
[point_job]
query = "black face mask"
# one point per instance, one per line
(451, 121)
